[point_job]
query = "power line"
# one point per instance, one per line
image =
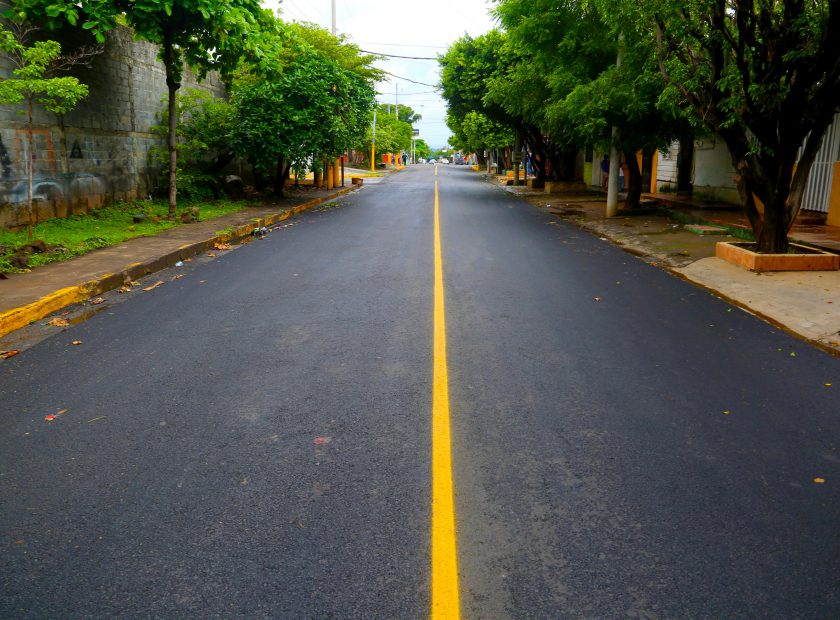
(439, 47)
(396, 56)
(422, 92)
(435, 86)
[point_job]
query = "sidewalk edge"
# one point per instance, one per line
(21, 316)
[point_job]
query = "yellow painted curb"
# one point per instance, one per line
(22, 316)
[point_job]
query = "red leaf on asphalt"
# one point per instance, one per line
(320, 441)
(53, 416)
(4, 355)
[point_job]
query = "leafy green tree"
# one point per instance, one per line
(205, 125)
(467, 69)
(392, 134)
(35, 80)
(764, 76)
(203, 34)
(421, 149)
(297, 105)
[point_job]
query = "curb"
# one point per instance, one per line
(24, 315)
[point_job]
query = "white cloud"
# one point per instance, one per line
(420, 29)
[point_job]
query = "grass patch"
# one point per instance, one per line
(686, 218)
(104, 227)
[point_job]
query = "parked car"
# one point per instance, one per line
(443, 160)
(432, 161)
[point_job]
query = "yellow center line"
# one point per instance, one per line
(445, 598)
(436, 175)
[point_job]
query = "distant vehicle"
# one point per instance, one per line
(443, 160)
(431, 161)
(461, 162)
(421, 161)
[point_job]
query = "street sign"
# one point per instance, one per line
(517, 157)
(416, 132)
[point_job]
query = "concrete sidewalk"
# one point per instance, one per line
(27, 297)
(804, 303)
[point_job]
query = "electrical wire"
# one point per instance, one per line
(435, 86)
(422, 92)
(439, 47)
(396, 56)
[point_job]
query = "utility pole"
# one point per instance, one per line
(397, 100)
(612, 180)
(333, 17)
(373, 144)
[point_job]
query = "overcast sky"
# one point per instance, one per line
(424, 28)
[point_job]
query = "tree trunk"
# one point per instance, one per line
(634, 182)
(280, 177)
(29, 167)
(172, 87)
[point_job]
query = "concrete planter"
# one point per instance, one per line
(565, 187)
(805, 259)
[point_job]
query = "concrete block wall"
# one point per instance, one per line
(99, 152)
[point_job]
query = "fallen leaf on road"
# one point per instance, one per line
(597, 299)
(827, 384)
(793, 353)
(320, 441)
(4, 355)
(727, 412)
(154, 286)
(102, 417)
(210, 254)
(76, 342)
(96, 301)
(221, 246)
(125, 288)
(53, 416)
(819, 480)
(58, 322)
(178, 277)
(187, 260)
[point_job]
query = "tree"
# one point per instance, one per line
(392, 134)
(763, 75)
(296, 105)
(35, 81)
(421, 149)
(205, 34)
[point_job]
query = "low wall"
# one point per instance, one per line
(99, 152)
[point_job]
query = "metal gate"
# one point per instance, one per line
(818, 190)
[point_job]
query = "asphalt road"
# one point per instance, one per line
(254, 439)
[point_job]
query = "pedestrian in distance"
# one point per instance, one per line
(605, 172)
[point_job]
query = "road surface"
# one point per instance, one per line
(264, 436)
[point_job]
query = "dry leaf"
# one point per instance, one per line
(4, 355)
(320, 441)
(597, 299)
(124, 289)
(53, 416)
(154, 286)
(727, 412)
(77, 342)
(178, 277)
(827, 384)
(210, 254)
(96, 301)
(221, 246)
(58, 322)
(819, 480)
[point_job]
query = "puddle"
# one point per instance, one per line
(86, 314)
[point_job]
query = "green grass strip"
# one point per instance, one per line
(100, 228)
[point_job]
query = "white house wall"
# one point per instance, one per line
(714, 177)
(666, 167)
